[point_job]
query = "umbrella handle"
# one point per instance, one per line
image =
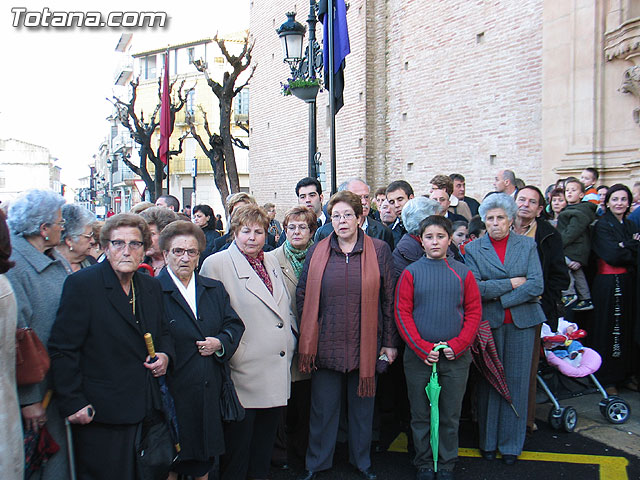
(148, 340)
(435, 349)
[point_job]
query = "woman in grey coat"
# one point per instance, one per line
(36, 223)
(507, 269)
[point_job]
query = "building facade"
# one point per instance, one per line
(540, 87)
(24, 166)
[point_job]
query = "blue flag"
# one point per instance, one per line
(340, 46)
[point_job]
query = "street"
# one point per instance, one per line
(595, 450)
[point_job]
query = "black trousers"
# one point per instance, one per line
(249, 444)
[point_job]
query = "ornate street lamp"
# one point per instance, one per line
(305, 71)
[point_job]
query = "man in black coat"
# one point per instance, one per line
(531, 204)
(371, 227)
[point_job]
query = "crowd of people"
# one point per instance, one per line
(323, 322)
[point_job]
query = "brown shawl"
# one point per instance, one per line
(369, 298)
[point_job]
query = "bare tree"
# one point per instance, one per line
(142, 131)
(220, 146)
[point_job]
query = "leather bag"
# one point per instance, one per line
(32, 359)
(231, 410)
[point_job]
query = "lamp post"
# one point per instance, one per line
(305, 67)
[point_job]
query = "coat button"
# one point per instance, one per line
(282, 354)
(206, 384)
(280, 325)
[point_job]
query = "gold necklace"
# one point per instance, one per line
(132, 302)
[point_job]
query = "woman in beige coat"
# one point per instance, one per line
(260, 368)
(11, 453)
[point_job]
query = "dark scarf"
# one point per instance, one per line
(258, 266)
(295, 256)
(369, 298)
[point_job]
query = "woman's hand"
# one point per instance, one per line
(392, 353)
(517, 281)
(208, 346)
(82, 416)
(159, 366)
(34, 416)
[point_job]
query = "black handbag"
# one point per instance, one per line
(155, 449)
(231, 409)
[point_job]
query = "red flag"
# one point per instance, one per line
(165, 113)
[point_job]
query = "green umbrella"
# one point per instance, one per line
(433, 393)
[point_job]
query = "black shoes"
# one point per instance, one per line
(509, 459)
(488, 454)
(444, 475)
(425, 474)
(367, 474)
(307, 475)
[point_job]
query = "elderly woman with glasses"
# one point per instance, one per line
(345, 306)
(76, 240)
(508, 272)
(260, 368)
(102, 374)
(36, 223)
(206, 332)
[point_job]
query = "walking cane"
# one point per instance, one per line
(70, 454)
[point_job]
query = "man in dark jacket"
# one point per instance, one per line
(531, 204)
(371, 227)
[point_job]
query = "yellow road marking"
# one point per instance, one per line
(611, 468)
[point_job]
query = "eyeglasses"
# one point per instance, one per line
(87, 235)
(192, 252)
(120, 244)
(59, 223)
(293, 228)
(347, 216)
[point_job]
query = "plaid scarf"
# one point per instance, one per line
(296, 256)
(258, 266)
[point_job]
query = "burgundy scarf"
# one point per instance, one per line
(258, 266)
(369, 298)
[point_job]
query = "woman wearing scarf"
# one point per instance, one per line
(301, 224)
(345, 306)
(260, 368)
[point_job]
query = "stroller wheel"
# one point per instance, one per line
(555, 418)
(615, 410)
(569, 419)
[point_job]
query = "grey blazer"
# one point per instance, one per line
(521, 260)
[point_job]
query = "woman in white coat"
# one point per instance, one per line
(260, 368)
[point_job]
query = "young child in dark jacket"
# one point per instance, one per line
(573, 225)
(437, 303)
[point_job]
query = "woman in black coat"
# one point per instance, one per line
(614, 289)
(102, 377)
(204, 218)
(206, 333)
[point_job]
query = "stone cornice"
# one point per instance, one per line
(624, 41)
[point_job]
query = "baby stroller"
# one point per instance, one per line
(613, 408)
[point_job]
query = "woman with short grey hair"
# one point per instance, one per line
(507, 269)
(498, 200)
(409, 248)
(76, 239)
(36, 223)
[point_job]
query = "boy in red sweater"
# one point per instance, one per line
(437, 303)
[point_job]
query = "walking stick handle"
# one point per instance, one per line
(148, 339)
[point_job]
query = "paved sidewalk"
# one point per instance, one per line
(593, 425)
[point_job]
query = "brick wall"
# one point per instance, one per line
(431, 87)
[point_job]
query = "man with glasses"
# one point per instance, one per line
(371, 227)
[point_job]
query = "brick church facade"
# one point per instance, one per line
(542, 87)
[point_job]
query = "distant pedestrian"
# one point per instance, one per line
(204, 218)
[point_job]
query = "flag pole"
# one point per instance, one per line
(166, 78)
(332, 98)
